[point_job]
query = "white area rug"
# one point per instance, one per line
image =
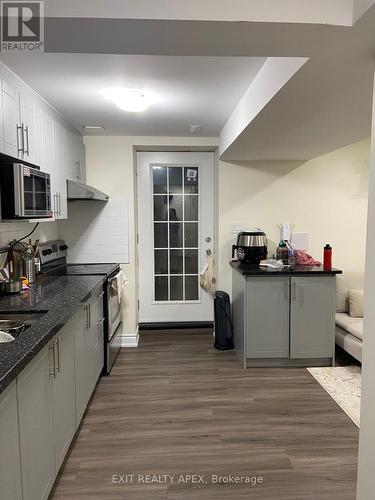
(343, 384)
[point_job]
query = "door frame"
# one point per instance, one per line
(174, 149)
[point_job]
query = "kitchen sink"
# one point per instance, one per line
(9, 322)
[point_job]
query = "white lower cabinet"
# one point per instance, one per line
(34, 391)
(82, 365)
(10, 467)
(51, 395)
(89, 344)
(64, 404)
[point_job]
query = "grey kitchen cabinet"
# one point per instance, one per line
(96, 338)
(268, 317)
(10, 466)
(35, 407)
(286, 319)
(312, 326)
(89, 345)
(82, 362)
(64, 404)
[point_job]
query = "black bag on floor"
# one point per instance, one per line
(223, 322)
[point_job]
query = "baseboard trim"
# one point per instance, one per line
(175, 325)
(130, 340)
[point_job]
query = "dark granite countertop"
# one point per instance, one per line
(58, 297)
(92, 269)
(247, 270)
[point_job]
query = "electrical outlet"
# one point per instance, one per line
(237, 227)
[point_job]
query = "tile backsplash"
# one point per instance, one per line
(97, 232)
(15, 230)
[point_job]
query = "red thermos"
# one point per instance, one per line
(327, 261)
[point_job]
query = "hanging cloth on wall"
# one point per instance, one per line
(207, 274)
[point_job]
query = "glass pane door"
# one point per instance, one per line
(176, 233)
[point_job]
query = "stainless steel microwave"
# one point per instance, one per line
(25, 192)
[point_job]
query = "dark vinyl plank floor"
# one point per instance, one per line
(177, 406)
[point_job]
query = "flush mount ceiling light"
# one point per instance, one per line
(132, 100)
(93, 127)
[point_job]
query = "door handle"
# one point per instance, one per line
(20, 149)
(26, 132)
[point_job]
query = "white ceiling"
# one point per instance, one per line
(193, 90)
(293, 11)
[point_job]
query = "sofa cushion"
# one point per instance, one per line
(344, 283)
(351, 325)
(356, 298)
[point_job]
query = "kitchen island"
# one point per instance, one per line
(284, 317)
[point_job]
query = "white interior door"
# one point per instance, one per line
(175, 229)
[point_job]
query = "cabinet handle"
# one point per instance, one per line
(78, 169)
(287, 290)
(58, 355)
(21, 149)
(88, 317)
(55, 207)
(59, 197)
(294, 291)
(26, 132)
(52, 370)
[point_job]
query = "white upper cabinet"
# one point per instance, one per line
(33, 132)
(12, 130)
(19, 122)
(46, 157)
(75, 156)
(59, 189)
(30, 128)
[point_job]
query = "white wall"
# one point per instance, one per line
(326, 197)
(110, 167)
(366, 461)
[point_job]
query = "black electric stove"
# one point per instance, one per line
(54, 262)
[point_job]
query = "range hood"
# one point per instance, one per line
(79, 191)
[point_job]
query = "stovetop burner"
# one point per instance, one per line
(54, 256)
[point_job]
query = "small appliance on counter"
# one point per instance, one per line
(251, 247)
